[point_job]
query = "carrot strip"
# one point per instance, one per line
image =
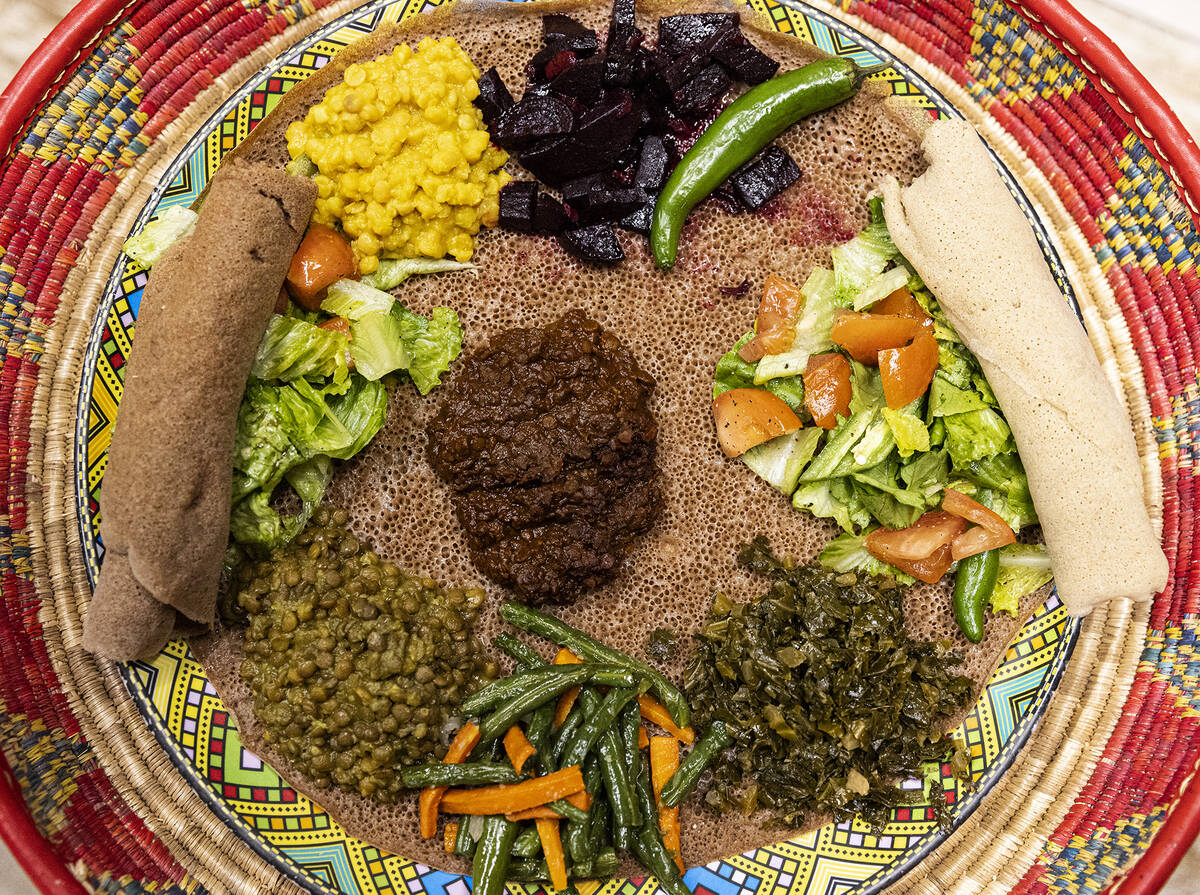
(643, 738)
(518, 747)
(552, 848)
(580, 800)
(450, 836)
(664, 762)
(464, 741)
(655, 712)
(567, 701)
(506, 797)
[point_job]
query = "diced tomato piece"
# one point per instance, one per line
(865, 335)
(990, 531)
(900, 304)
(907, 371)
(746, 417)
(827, 388)
(919, 540)
(323, 258)
(775, 326)
(337, 324)
(931, 568)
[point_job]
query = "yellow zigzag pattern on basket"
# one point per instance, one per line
(47, 769)
(1027, 60)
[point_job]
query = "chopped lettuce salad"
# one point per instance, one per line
(881, 466)
(316, 393)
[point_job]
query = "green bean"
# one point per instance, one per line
(528, 844)
(570, 724)
(599, 823)
(569, 811)
(522, 652)
(528, 870)
(598, 720)
(577, 843)
(715, 740)
(631, 725)
(534, 696)
(537, 731)
(468, 774)
(645, 800)
(547, 626)
(973, 588)
(616, 781)
(649, 848)
(490, 867)
(505, 689)
(603, 865)
(464, 842)
(738, 134)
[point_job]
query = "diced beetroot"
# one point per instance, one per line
(596, 244)
(518, 204)
(743, 60)
(681, 70)
(761, 180)
(543, 158)
(559, 63)
(624, 38)
(564, 31)
(682, 32)
(599, 197)
(604, 133)
(583, 81)
(532, 119)
(639, 220)
(727, 199)
(549, 216)
(700, 95)
(493, 97)
(651, 171)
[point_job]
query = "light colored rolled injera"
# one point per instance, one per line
(167, 488)
(963, 232)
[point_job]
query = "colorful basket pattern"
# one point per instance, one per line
(138, 75)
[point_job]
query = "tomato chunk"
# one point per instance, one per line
(827, 389)
(933, 530)
(337, 324)
(775, 326)
(907, 371)
(990, 531)
(900, 304)
(931, 568)
(746, 417)
(323, 258)
(865, 335)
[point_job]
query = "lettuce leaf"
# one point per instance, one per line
(293, 348)
(976, 435)
(147, 247)
(377, 345)
(927, 473)
(832, 499)
(391, 272)
(1023, 569)
(857, 262)
(848, 553)
(354, 300)
(432, 343)
(780, 461)
(881, 287)
(947, 399)
(1004, 475)
(908, 428)
(255, 524)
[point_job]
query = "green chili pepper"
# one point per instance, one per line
(739, 133)
(715, 740)
(468, 774)
(490, 867)
(547, 626)
(973, 588)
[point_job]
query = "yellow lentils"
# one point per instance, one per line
(404, 162)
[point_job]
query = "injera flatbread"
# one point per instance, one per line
(167, 487)
(963, 233)
(677, 325)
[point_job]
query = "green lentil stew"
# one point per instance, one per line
(828, 700)
(355, 666)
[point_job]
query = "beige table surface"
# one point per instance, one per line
(1162, 37)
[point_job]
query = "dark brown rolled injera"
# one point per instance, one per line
(166, 496)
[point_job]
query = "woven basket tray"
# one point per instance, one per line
(131, 778)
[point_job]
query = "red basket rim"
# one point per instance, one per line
(1137, 103)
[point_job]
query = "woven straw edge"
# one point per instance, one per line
(1008, 832)
(989, 853)
(213, 855)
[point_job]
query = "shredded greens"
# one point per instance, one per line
(829, 700)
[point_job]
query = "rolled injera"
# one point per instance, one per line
(167, 488)
(963, 232)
